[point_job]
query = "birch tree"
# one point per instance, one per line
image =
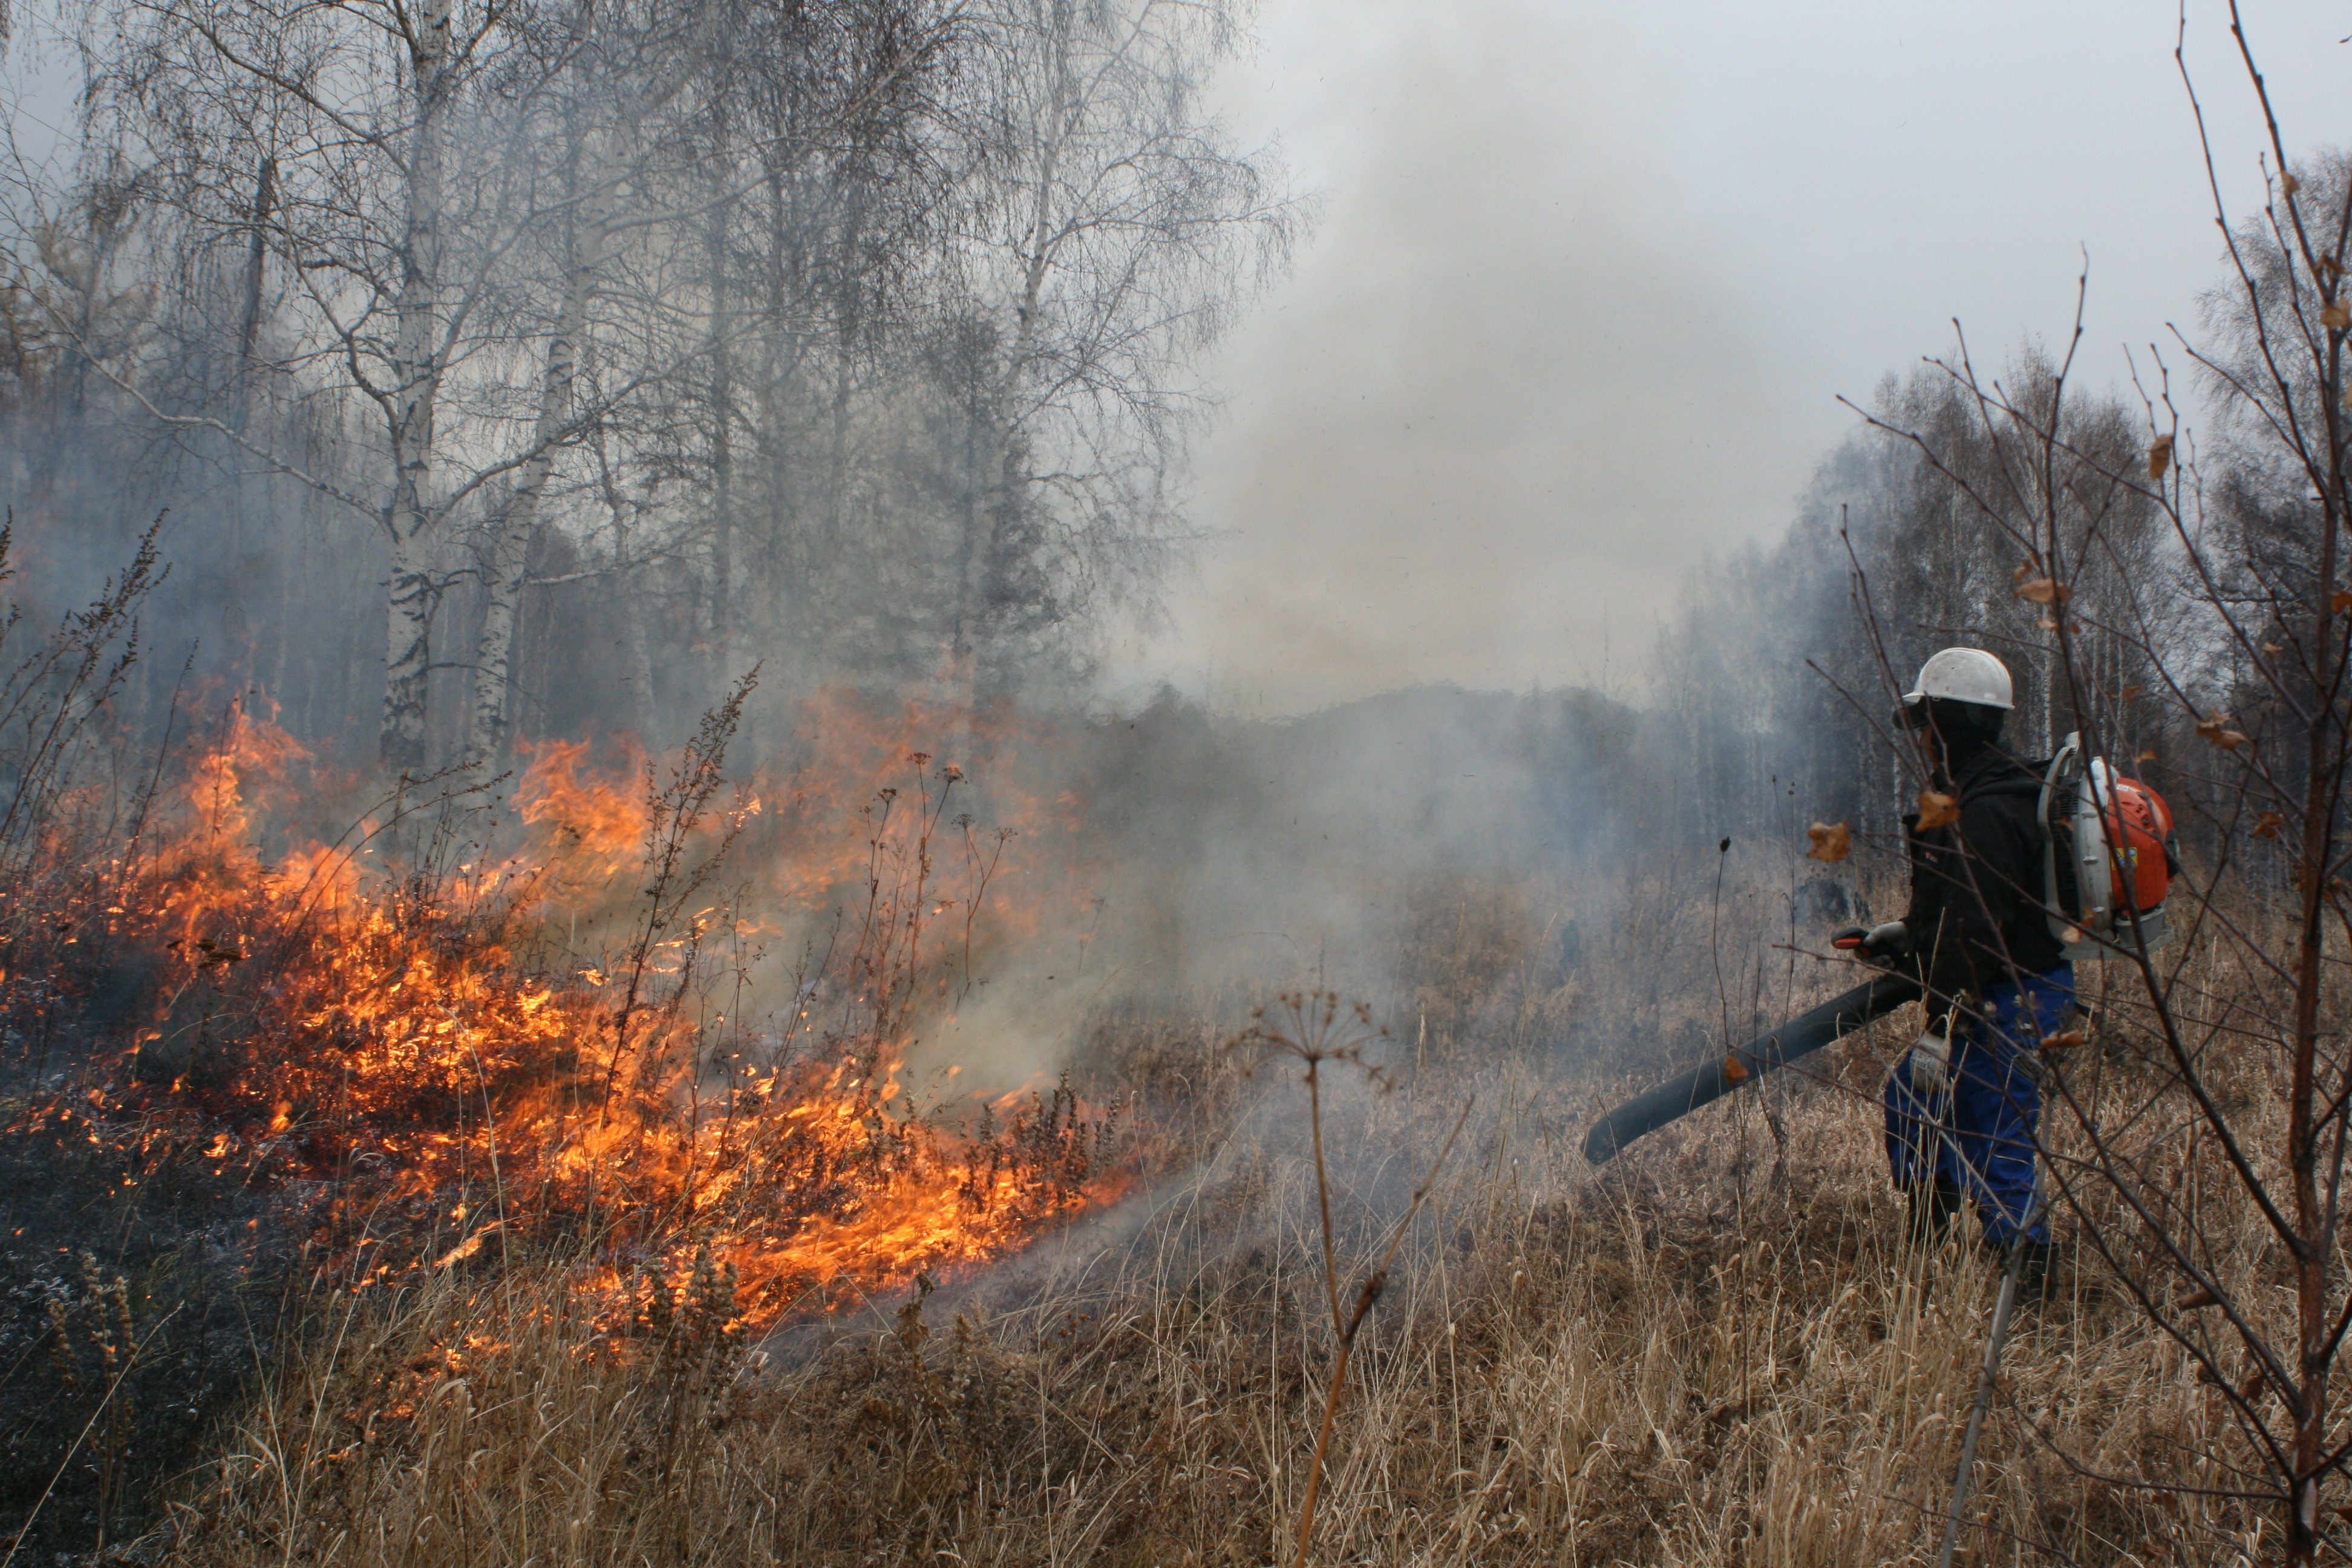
(405, 196)
(837, 328)
(1119, 230)
(615, 82)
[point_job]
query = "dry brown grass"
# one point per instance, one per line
(1690, 1359)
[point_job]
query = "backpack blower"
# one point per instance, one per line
(2092, 818)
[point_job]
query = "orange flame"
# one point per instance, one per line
(448, 1060)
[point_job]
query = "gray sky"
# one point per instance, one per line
(1590, 278)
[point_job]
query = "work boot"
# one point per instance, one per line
(1934, 1207)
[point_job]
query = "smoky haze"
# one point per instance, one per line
(1484, 372)
(1591, 279)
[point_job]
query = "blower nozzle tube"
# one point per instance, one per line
(1712, 1080)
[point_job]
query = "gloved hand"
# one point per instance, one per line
(1872, 941)
(1931, 1061)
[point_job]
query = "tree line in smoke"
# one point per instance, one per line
(494, 358)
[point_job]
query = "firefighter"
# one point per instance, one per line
(1962, 1105)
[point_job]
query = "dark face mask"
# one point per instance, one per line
(1954, 728)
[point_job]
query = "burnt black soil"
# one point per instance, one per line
(140, 1293)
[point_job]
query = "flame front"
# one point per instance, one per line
(587, 1039)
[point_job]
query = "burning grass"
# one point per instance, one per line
(432, 1071)
(647, 1022)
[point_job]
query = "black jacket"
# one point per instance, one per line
(1975, 917)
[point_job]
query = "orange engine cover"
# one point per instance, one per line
(2138, 826)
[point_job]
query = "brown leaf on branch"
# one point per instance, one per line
(2127, 693)
(2337, 315)
(2066, 1041)
(2201, 1298)
(1734, 1070)
(2330, 266)
(2160, 457)
(2268, 824)
(1833, 842)
(2217, 729)
(2045, 591)
(2289, 183)
(2340, 600)
(1937, 810)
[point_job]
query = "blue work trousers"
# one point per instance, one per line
(1978, 1133)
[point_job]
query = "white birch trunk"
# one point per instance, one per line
(722, 453)
(637, 654)
(412, 589)
(489, 723)
(489, 726)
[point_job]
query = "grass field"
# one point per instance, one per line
(1710, 1352)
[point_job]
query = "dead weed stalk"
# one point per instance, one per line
(1312, 1028)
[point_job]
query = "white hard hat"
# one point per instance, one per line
(1964, 675)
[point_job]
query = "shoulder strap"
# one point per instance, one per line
(2017, 778)
(2060, 892)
